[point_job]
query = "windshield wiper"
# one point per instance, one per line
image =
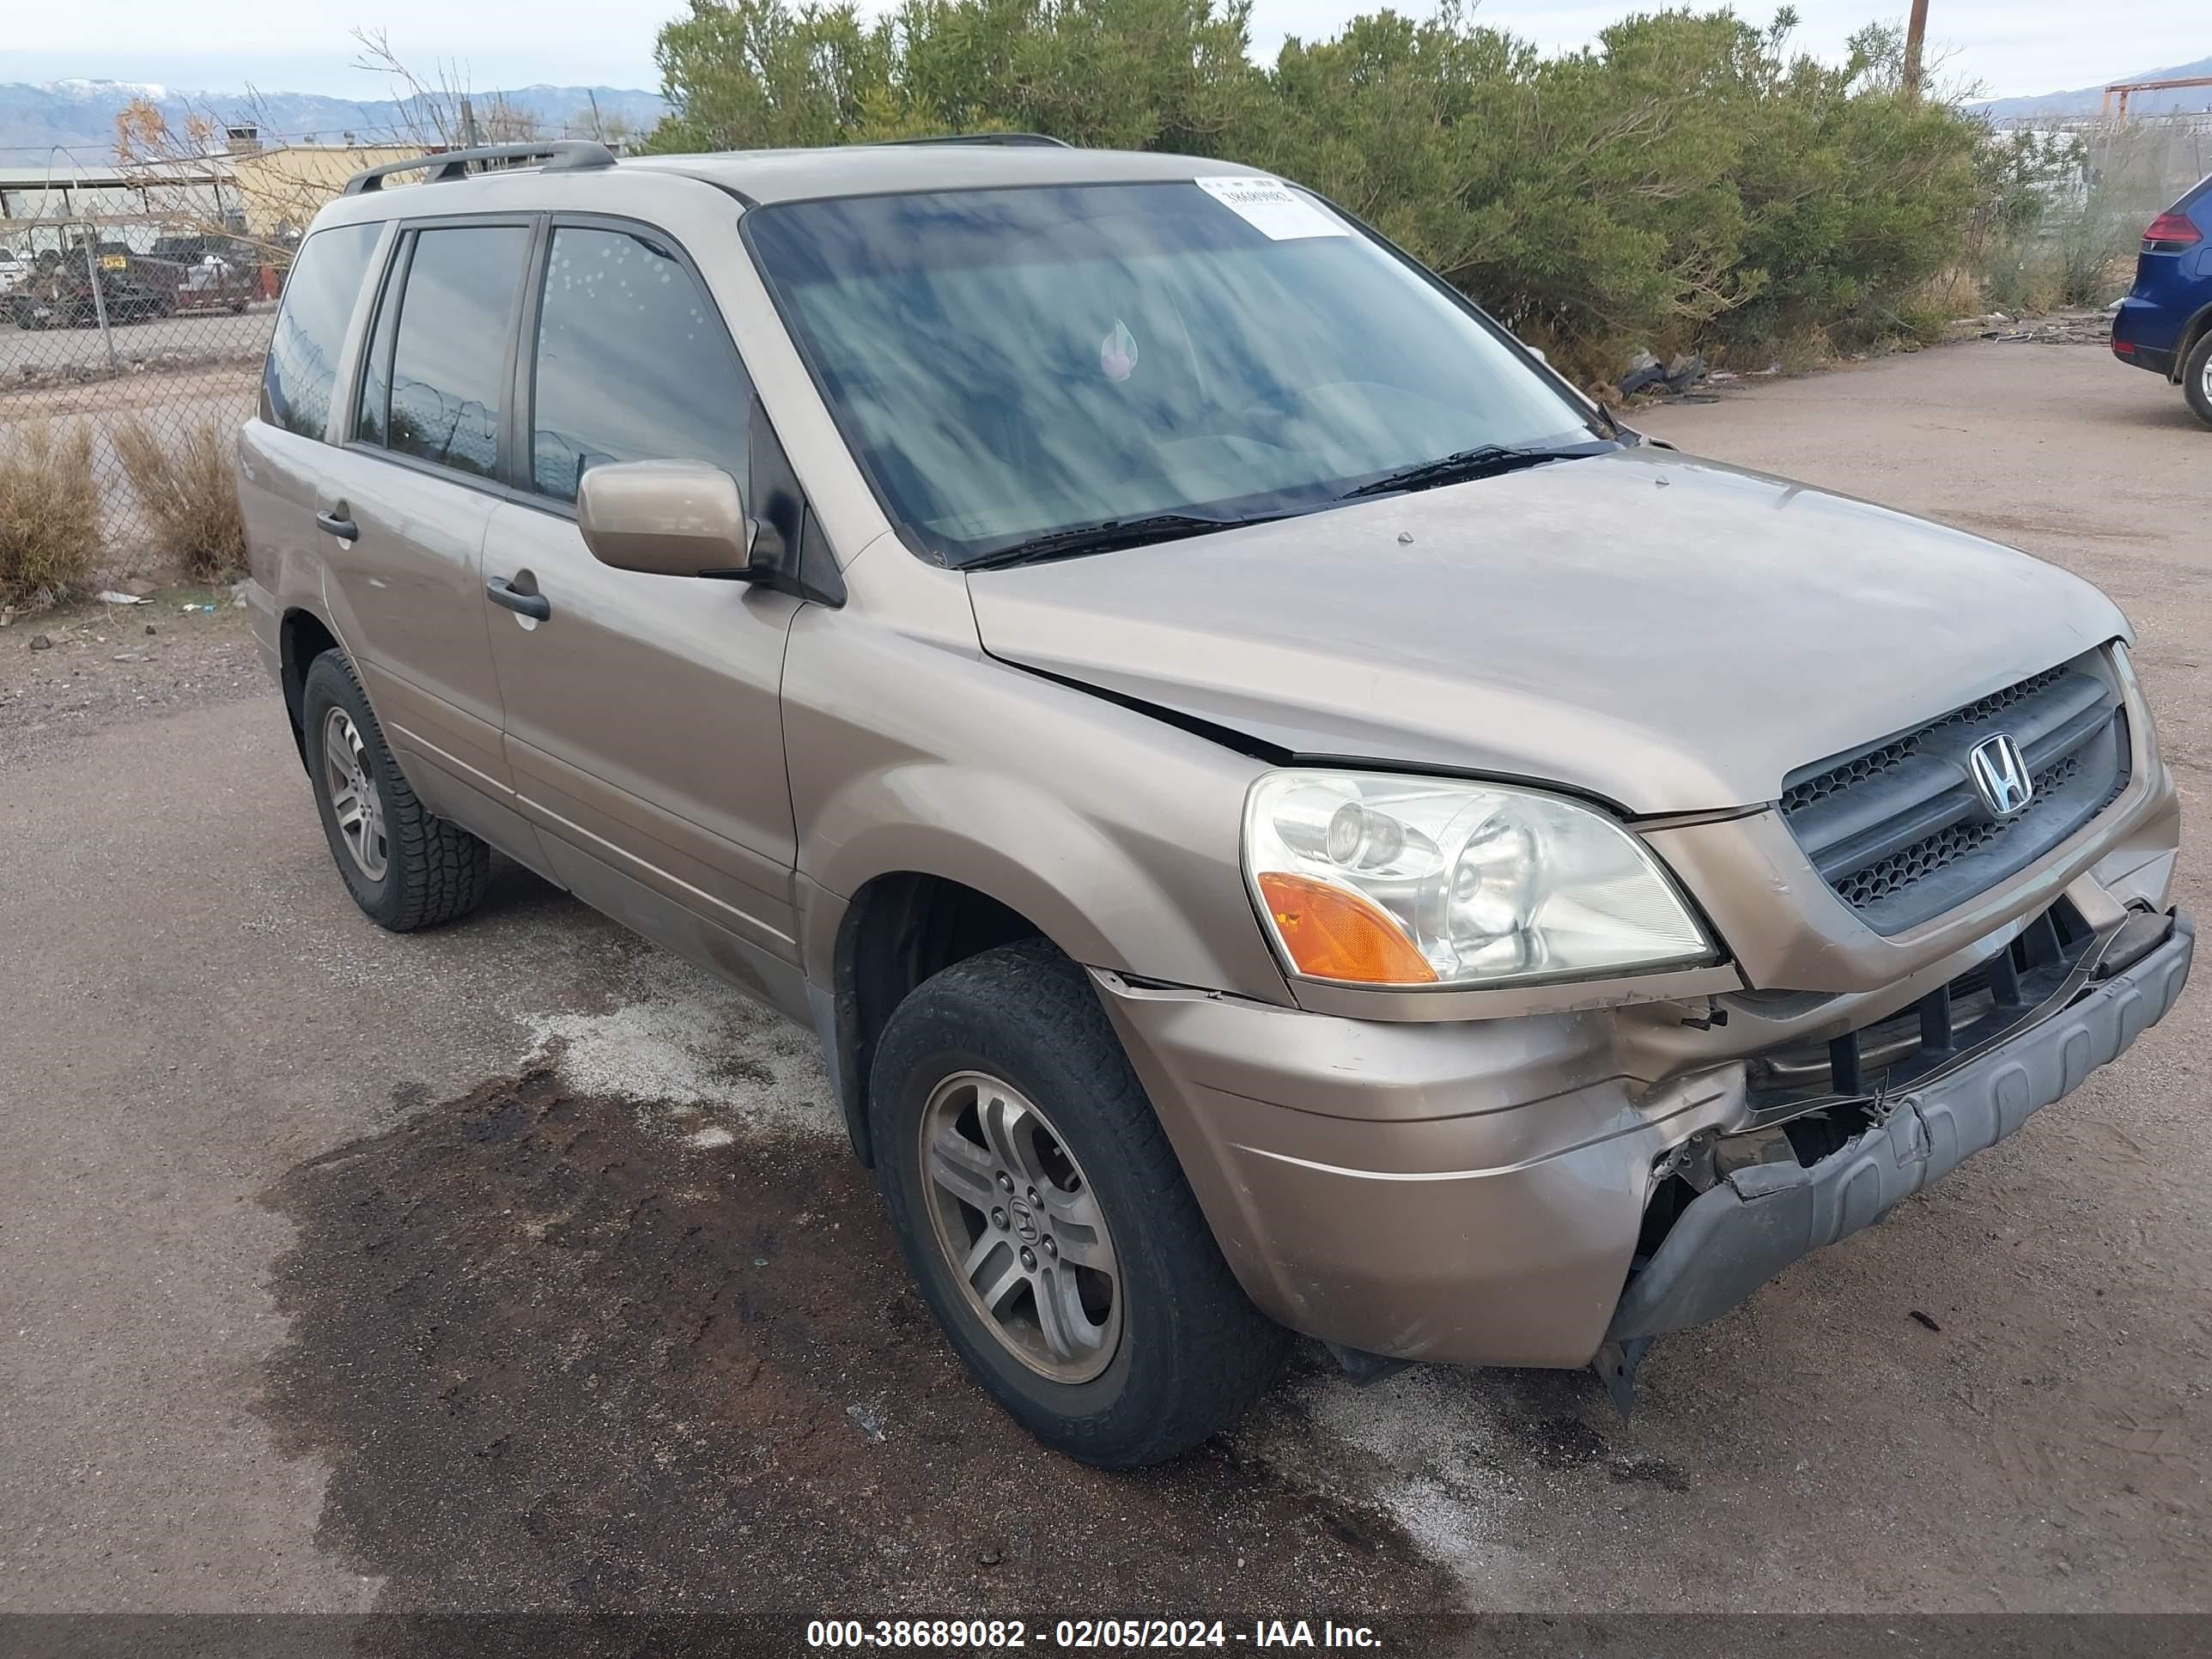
(1484, 461)
(1104, 538)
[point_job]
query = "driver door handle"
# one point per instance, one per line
(534, 605)
(337, 524)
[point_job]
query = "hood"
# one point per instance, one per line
(1666, 633)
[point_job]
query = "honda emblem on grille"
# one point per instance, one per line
(2000, 775)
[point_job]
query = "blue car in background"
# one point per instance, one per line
(2165, 325)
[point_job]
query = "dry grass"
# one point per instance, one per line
(1952, 294)
(186, 490)
(49, 512)
(1798, 351)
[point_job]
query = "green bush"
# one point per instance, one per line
(1118, 74)
(2019, 278)
(1687, 181)
(1584, 200)
(2093, 249)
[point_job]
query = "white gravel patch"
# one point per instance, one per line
(1423, 1448)
(699, 1059)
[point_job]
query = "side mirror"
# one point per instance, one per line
(667, 519)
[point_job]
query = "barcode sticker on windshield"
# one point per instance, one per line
(1272, 208)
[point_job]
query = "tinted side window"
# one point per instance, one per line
(318, 299)
(633, 363)
(447, 383)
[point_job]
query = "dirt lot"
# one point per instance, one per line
(516, 1267)
(193, 334)
(224, 392)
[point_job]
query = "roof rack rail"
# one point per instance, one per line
(559, 155)
(1012, 140)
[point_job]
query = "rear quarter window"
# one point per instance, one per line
(302, 370)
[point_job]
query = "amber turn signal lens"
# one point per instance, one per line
(1333, 934)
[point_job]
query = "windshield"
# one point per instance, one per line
(1006, 363)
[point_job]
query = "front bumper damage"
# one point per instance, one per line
(1757, 1220)
(1490, 1193)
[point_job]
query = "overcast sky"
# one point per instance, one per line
(2009, 46)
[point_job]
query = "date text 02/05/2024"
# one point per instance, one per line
(1083, 1634)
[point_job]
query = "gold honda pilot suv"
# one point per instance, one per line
(1282, 816)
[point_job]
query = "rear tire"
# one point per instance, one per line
(2196, 377)
(406, 867)
(1119, 1336)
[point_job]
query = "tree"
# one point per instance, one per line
(762, 75)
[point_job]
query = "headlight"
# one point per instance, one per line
(1377, 879)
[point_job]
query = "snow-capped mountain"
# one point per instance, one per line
(79, 115)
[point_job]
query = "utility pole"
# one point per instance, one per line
(99, 299)
(469, 115)
(1915, 37)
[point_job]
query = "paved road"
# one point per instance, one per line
(515, 1266)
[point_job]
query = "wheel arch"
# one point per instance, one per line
(899, 929)
(302, 637)
(928, 858)
(2192, 331)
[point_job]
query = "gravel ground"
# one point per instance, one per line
(103, 663)
(517, 1266)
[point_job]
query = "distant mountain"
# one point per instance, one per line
(80, 115)
(2087, 100)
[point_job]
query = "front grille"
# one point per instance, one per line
(1861, 768)
(1898, 829)
(1885, 878)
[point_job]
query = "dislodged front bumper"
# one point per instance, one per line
(1475, 1193)
(1754, 1223)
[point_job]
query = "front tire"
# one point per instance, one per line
(406, 867)
(1046, 1221)
(2197, 378)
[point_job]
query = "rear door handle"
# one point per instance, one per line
(338, 525)
(534, 605)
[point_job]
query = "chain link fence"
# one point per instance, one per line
(142, 330)
(2154, 159)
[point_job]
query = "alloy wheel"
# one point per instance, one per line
(354, 802)
(1020, 1228)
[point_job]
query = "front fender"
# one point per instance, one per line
(1101, 902)
(1114, 833)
